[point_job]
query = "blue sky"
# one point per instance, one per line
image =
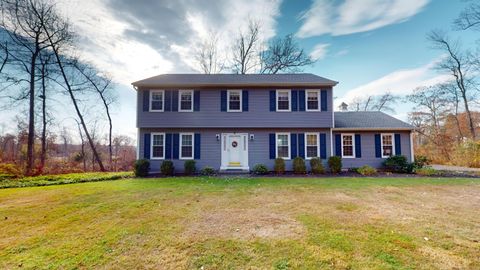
(369, 46)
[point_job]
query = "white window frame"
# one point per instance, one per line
(288, 144)
(393, 144)
(151, 100)
(228, 100)
(151, 145)
(180, 100)
(306, 144)
(193, 146)
(353, 144)
(289, 100)
(318, 100)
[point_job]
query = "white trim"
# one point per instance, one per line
(393, 143)
(289, 100)
(306, 144)
(288, 144)
(150, 100)
(151, 145)
(331, 143)
(224, 164)
(372, 129)
(138, 144)
(180, 100)
(180, 146)
(353, 144)
(412, 156)
(318, 100)
(228, 100)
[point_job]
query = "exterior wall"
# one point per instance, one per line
(368, 148)
(258, 115)
(210, 151)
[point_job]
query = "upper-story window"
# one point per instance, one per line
(186, 146)
(185, 100)
(234, 100)
(283, 145)
(158, 146)
(157, 100)
(311, 145)
(283, 100)
(348, 145)
(312, 100)
(387, 145)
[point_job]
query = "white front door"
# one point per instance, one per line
(234, 151)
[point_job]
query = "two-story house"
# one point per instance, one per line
(234, 121)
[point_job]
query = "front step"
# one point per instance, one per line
(234, 171)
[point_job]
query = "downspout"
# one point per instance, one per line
(412, 156)
(136, 123)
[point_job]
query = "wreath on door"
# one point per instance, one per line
(234, 144)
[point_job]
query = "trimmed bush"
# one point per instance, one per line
(141, 167)
(398, 164)
(279, 166)
(316, 166)
(208, 171)
(167, 168)
(426, 171)
(299, 166)
(335, 164)
(260, 169)
(367, 170)
(189, 167)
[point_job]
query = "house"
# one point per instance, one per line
(234, 121)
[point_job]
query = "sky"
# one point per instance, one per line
(368, 46)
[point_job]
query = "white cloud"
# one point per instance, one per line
(319, 51)
(400, 82)
(355, 16)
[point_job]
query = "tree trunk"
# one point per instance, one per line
(43, 154)
(31, 116)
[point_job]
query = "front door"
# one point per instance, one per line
(234, 151)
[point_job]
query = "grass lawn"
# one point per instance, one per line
(243, 223)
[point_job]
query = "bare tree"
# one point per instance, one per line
(458, 64)
(469, 18)
(432, 102)
(245, 50)
(44, 74)
(383, 102)
(284, 55)
(208, 56)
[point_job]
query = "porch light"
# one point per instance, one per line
(252, 137)
(217, 136)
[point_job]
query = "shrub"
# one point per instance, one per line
(398, 164)
(299, 166)
(316, 166)
(421, 161)
(367, 170)
(260, 169)
(279, 166)
(167, 168)
(335, 164)
(189, 167)
(426, 171)
(208, 171)
(141, 167)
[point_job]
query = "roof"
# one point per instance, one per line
(368, 120)
(235, 80)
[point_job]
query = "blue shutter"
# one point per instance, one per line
(272, 101)
(174, 100)
(358, 146)
(272, 145)
(168, 100)
(323, 146)
(146, 100)
(301, 100)
(294, 100)
(168, 146)
(245, 100)
(176, 146)
(196, 153)
(378, 146)
(301, 145)
(223, 101)
(146, 145)
(338, 145)
(196, 100)
(398, 145)
(293, 145)
(323, 97)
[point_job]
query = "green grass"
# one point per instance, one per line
(47, 180)
(236, 223)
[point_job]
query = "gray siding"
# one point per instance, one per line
(258, 116)
(368, 149)
(210, 151)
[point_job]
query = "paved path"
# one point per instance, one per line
(454, 168)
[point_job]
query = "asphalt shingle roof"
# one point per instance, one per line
(369, 120)
(241, 80)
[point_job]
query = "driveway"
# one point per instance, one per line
(454, 168)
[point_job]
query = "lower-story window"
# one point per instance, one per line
(311, 145)
(158, 146)
(186, 146)
(387, 145)
(348, 146)
(283, 145)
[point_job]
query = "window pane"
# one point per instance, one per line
(387, 150)
(157, 140)
(187, 146)
(158, 151)
(387, 141)
(312, 151)
(283, 151)
(347, 150)
(234, 102)
(186, 140)
(282, 140)
(312, 100)
(312, 139)
(347, 145)
(186, 151)
(283, 101)
(186, 101)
